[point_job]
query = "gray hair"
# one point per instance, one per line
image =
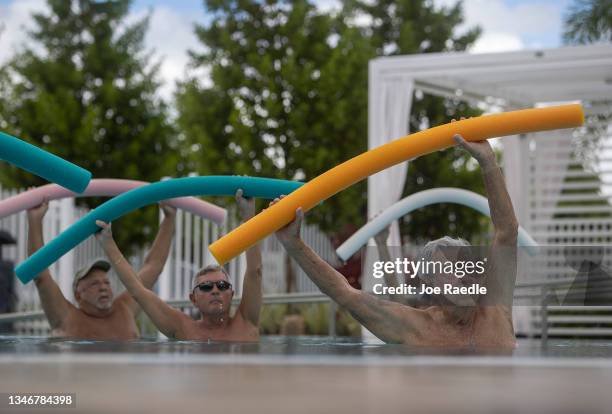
(209, 269)
(430, 249)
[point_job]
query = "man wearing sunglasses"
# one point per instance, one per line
(211, 294)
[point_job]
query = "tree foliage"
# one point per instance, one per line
(410, 27)
(588, 21)
(85, 89)
(288, 94)
(287, 98)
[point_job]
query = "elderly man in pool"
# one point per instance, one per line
(450, 321)
(97, 315)
(211, 293)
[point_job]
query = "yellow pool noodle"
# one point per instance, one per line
(385, 156)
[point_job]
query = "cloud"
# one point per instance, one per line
(170, 35)
(505, 27)
(328, 5)
(497, 42)
(511, 26)
(15, 21)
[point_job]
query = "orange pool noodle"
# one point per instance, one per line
(385, 156)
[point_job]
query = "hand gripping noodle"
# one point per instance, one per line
(42, 163)
(419, 200)
(142, 196)
(385, 156)
(104, 187)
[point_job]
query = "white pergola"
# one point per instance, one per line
(535, 169)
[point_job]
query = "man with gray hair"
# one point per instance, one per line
(458, 320)
(211, 293)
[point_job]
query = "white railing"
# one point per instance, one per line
(563, 193)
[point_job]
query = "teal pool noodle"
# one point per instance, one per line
(148, 194)
(44, 164)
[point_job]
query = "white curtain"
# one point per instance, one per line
(390, 101)
(389, 114)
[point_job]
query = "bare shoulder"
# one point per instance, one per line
(399, 310)
(239, 321)
(122, 301)
(187, 329)
(496, 311)
(420, 317)
(71, 311)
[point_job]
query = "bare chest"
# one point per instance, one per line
(236, 330)
(491, 328)
(118, 325)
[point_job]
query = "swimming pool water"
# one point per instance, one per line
(305, 346)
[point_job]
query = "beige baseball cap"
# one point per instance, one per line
(99, 263)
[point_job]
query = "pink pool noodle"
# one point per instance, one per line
(105, 187)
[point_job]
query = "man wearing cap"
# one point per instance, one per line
(97, 315)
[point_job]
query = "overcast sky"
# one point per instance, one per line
(507, 25)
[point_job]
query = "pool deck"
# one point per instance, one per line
(230, 382)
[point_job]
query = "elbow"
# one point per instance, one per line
(152, 265)
(508, 234)
(347, 297)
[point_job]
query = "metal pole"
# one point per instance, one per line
(544, 315)
(332, 319)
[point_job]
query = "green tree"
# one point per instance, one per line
(288, 96)
(411, 27)
(588, 21)
(287, 99)
(86, 89)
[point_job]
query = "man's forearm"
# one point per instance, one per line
(253, 254)
(35, 236)
(250, 306)
(253, 259)
(124, 270)
(36, 242)
(157, 256)
(329, 281)
(167, 319)
(500, 204)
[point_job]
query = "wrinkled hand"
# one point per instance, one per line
(39, 211)
(291, 232)
(246, 206)
(169, 211)
(480, 150)
(105, 234)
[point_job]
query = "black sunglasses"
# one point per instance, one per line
(208, 286)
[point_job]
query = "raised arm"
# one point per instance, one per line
(167, 319)
(53, 302)
(502, 267)
(156, 258)
(250, 305)
(387, 320)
